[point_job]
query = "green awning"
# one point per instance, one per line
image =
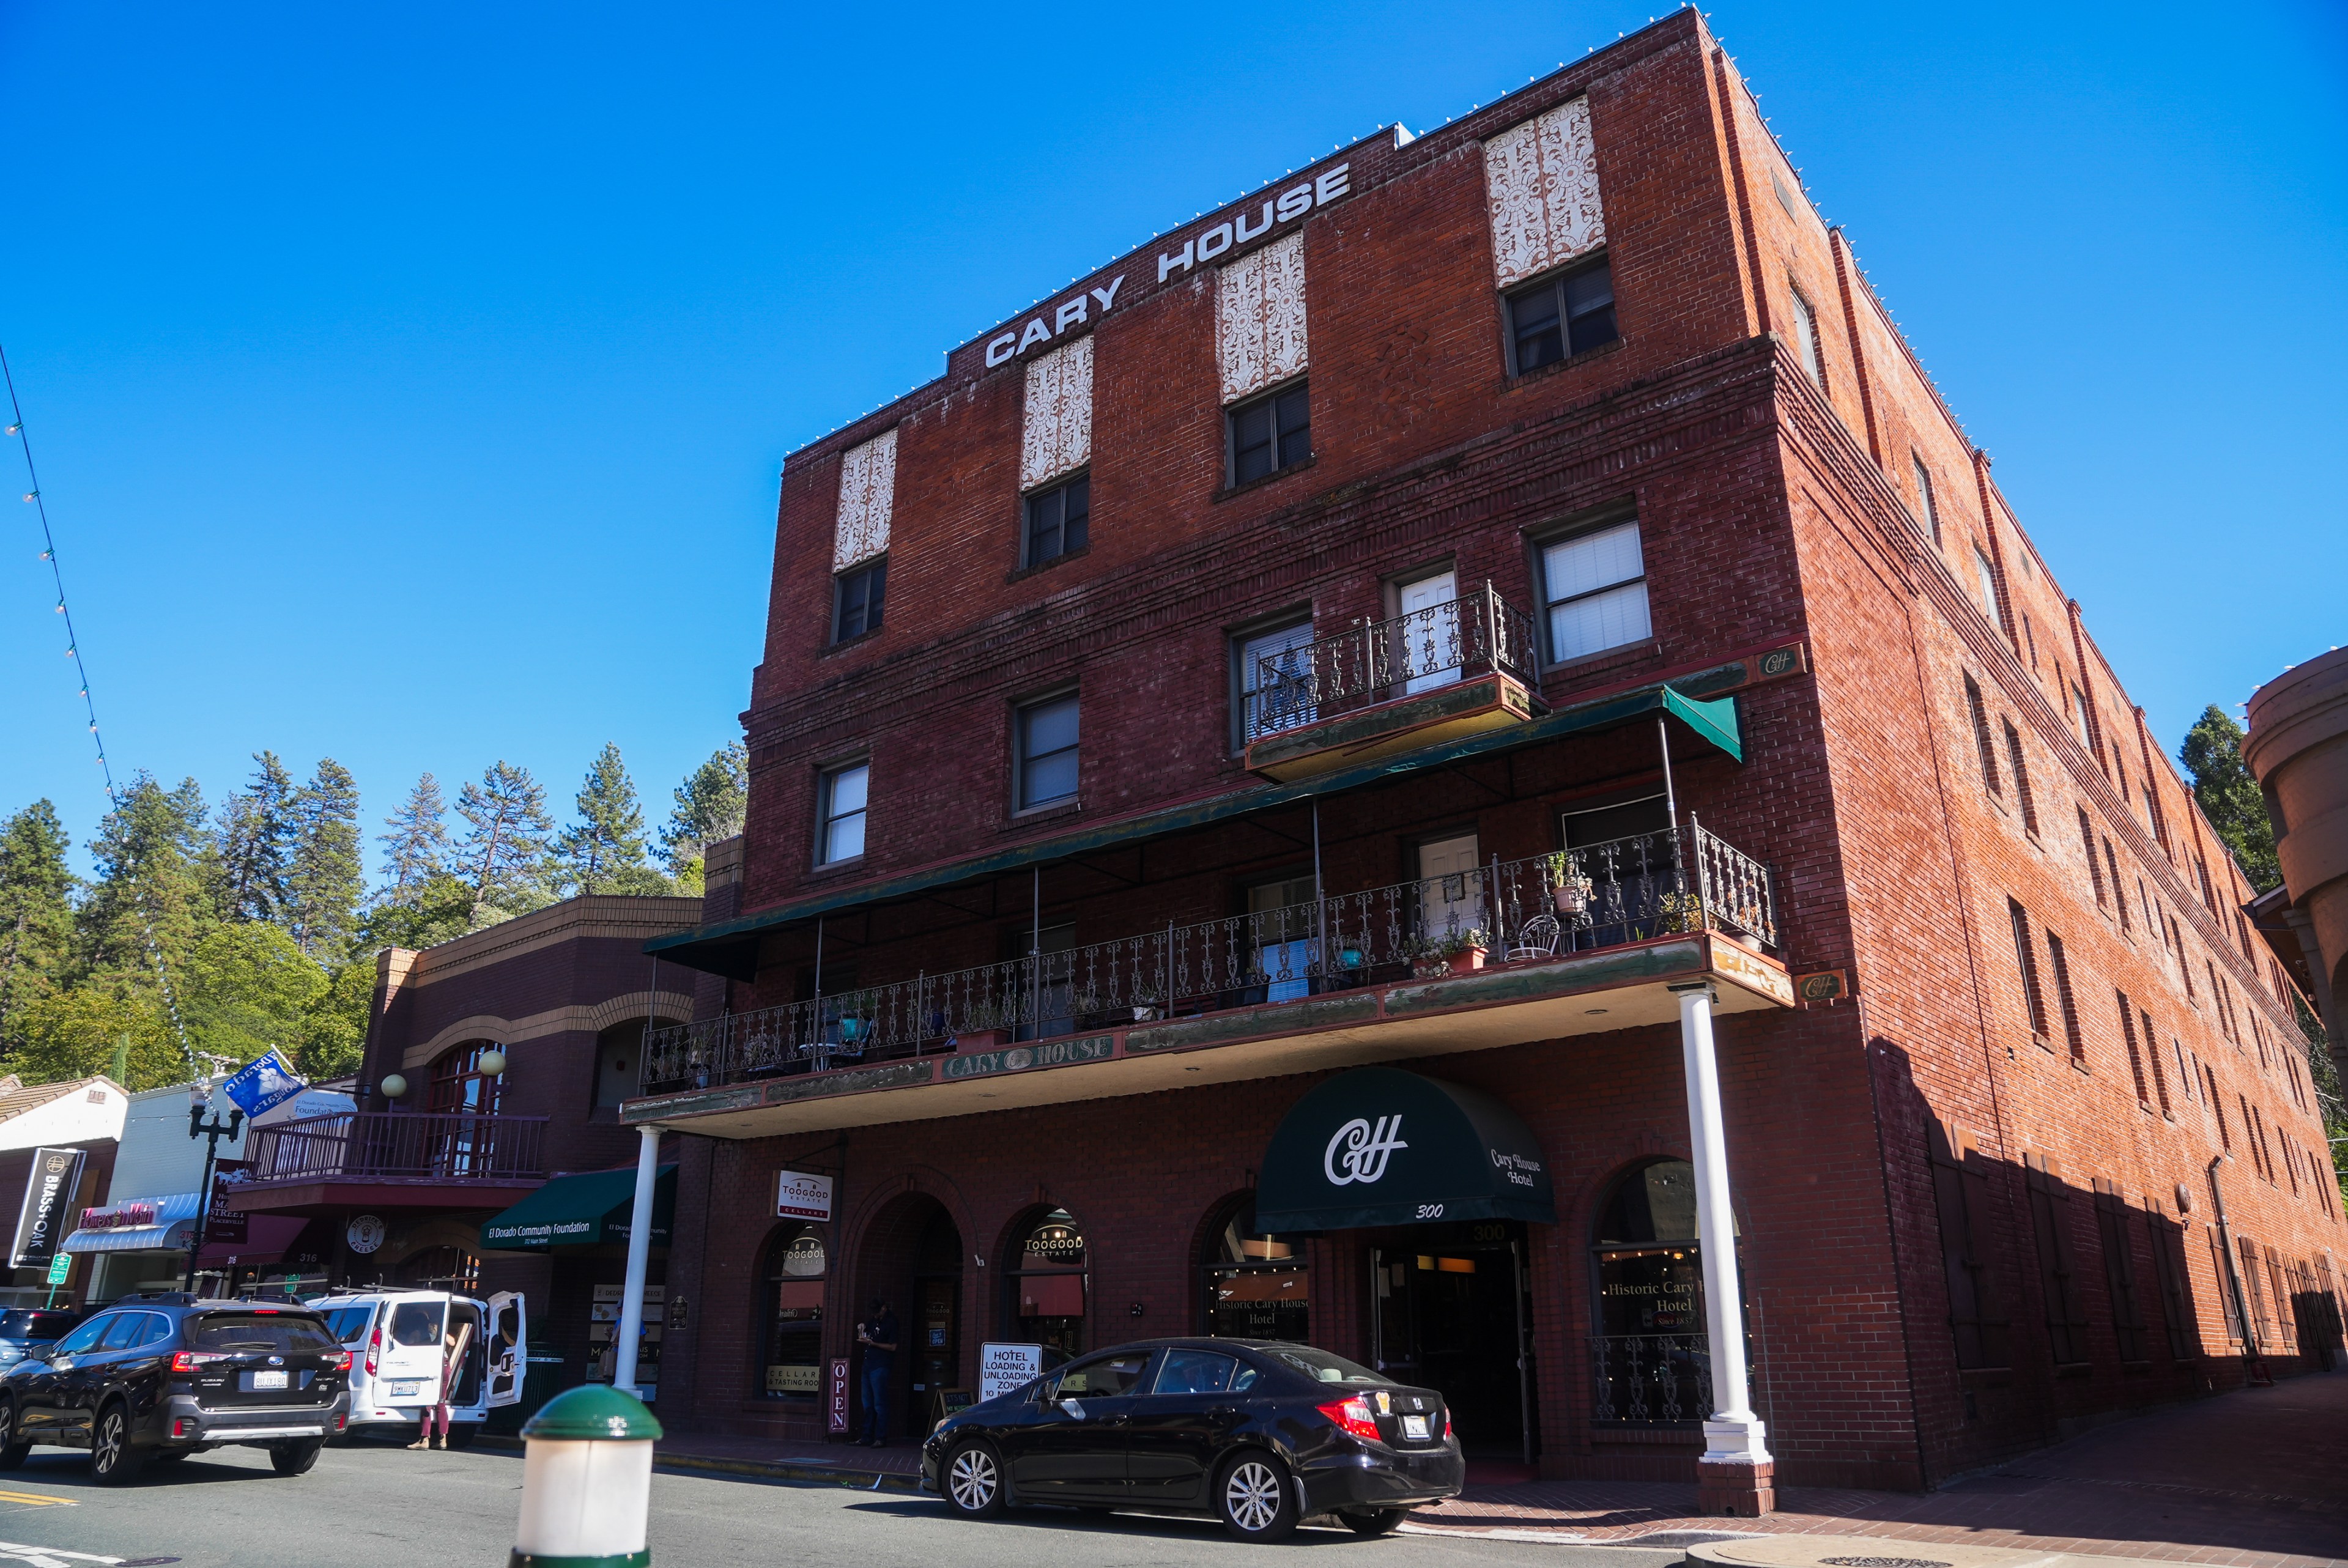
(1378, 1146)
(587, 1211)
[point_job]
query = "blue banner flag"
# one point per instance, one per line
(263, 1082)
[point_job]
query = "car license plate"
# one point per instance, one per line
(407, 1390)
(269, 1379)
(1414, 1427)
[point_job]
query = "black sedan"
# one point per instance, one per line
(1258, 1433)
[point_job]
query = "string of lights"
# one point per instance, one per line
(89, 704)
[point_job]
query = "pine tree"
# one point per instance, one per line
(256, 844)
(599, 851)
(710, 805)
(154, 857)
(2229, 795)
(36, 912)
(505, 848)
(324, 875)
(416, 849)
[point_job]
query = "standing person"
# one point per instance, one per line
(453, 1343)
(878, 1334)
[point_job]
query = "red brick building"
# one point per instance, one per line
(1493, 606)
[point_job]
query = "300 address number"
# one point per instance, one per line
(1430, 1210)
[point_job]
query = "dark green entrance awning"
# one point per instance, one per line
(588, 1210)
(1378, 1146)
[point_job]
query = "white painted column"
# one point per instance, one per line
(640, 1249)
(1733, 1432)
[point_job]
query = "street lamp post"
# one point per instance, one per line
(211, 1131)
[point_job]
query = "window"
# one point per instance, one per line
(856, 599)
(1650, 1307)
(1561, 317)
(1255, 1285)
(2119, 1271)
(1985, 576)
(81, 1340)
(1961, 1196)
(1278, 695)
(2216, 1099)
(2033, 1000)
(1047, 752)
(1197, 1372)
(2058, 1264)
(1596, 584)
(2060, 964)
(796, 1263)
(1056, 518)
(1980, 717)
(1806, 339)
(2021, 778)
(2095, 867)
(2175, 1297)
(1930, 507)
(2029, 637)
(1047, 1286)
(2119, 889)
(2079, 713)
(843, 792)
(1271, 433)
(2152, 1049)
(2135, 1061)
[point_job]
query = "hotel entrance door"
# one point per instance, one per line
(1447, 1303)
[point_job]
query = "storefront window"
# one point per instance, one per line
(1255, 1283)
(1048, 1285)
(1650, 1358)
(795, 1274)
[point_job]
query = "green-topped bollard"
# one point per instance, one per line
(586, 1482)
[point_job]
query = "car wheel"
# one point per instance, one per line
(113, 1460)
(12, 1452)
(972, 1481)
(1374, 1520)
(294, 1457)
(1254, 1498)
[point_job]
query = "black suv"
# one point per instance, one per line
(165, 1374)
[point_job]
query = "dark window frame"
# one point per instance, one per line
(1554, 292)
(827, 777)
(1022, 761)
(1238, 638)
(1275, 399)
(862, 590)
(1540, 543)
(1072, 533)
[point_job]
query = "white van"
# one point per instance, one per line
(397, 1340)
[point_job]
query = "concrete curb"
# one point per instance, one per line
(862, 1477)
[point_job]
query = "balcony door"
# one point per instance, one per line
(1450, 890)
(1426, 642)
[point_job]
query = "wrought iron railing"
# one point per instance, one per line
(1598, 895)
(1475, 634)
(459, 1146)
(1651, 1377)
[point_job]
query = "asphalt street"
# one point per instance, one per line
(396, 1508)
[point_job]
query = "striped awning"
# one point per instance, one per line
(173, 1230)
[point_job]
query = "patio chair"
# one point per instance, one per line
(1538, 938)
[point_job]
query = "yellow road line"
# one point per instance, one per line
(37, 1500)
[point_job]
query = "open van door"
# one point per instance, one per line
(509, 1347)
(411, 1372)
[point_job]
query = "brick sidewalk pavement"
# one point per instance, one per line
(2256, 1479)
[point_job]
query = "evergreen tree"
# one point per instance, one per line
(154, 857)
(256, 845)
(416, 849)
(710, 806)
(324, 875)
(36, 912)
(433, 911)
(605, 848)
(2229, 795)
(505, 850)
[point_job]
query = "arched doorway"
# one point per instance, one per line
(912, 1259)
(1047, 1282)
(1253, 1286)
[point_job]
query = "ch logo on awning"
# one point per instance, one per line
(1359, 1152)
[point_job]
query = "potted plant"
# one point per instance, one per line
(1569, 889)
(1427, 959)
(1464, 952)
(1678, 911)
(981, 1031)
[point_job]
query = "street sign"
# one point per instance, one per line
(60, 1267)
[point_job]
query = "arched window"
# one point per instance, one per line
(1651, 1361)
(1048, 1284)
(1254, 1284)
(796, 1266)
(458, 1084)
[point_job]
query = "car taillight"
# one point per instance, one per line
(1353, 1415)
(189, 1360)
(374, 1343)
(1447, 1423)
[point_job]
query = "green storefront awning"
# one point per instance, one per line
(587, 1211)
(1378, 1146)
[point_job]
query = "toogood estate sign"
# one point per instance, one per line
(799, 1195)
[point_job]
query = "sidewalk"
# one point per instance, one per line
(2252, 1479)
(2256, 1479)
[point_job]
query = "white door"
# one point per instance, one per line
(410, 1370)
(1450, 889)
(509, 1347)
(1426, 642)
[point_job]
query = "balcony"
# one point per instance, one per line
(1505, 953)
(391, 1160)
(1444, 673)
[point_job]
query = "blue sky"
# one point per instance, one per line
(409, 385)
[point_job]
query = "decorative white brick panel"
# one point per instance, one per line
(1055, 429)
(1540, 178)
(867, 494)
(1259, 318)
